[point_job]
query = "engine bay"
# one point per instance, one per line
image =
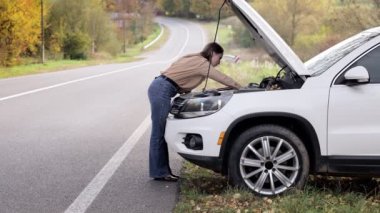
(202, 103)
(285, 79)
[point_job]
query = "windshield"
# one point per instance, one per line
(327, 58)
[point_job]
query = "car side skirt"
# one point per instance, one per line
(336, 165)
(353, 165)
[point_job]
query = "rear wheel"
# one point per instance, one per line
(269, 160)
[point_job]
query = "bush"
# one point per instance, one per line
(76, 45)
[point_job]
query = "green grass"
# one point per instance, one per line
(56, 65)
(202, 190)
(130, 55)
(7, 72)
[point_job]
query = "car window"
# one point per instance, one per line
(371, 61)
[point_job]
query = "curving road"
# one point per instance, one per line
(77, 140)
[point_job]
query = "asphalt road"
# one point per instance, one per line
(77, 140)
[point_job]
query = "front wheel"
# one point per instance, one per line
(269, 160)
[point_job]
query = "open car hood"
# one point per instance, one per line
(267, 37)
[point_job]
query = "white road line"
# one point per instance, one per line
(100, 75)
(158, 37)
(84, 200)
(71, 82)
(88, 195)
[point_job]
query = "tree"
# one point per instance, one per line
(355, 16)
(207, 9)
(19, 29)
(297, 21)
(175, 7)
(137, 20)
(169, 7)
(67, 19)
(292, 16)
(78, 23)
(183, 8)
(101, 30)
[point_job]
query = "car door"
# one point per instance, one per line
(354, 111)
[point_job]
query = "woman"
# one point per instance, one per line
(182, 76)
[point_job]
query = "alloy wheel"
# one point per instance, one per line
(269, 165)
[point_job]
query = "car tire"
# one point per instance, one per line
(268, 160)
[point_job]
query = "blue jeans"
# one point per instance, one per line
(160, 93)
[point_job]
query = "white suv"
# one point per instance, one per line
(322, 116)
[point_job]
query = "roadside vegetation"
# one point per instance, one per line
(202, 190)
(75, 33)
(132, 54)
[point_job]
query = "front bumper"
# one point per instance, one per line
(208, 127)
(213, 163)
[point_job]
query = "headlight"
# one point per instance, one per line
(199, 104)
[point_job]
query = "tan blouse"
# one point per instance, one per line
(190, 70)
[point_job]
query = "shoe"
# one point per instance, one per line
(169, 178)
(176, 176)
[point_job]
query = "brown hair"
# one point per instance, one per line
(211, 48)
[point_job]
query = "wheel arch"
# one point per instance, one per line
(299, 125)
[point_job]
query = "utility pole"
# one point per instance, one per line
(42, 33)
(124, 35)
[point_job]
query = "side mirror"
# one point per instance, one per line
(356, 75)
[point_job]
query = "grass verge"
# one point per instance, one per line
(202, 190)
